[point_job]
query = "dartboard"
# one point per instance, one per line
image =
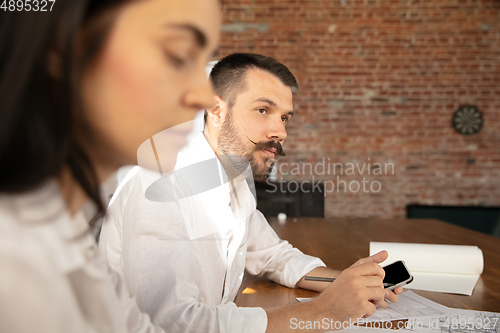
(467, 120)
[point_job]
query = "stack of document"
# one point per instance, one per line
(422, 315)
(426, 316)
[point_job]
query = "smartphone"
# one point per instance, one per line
(396, 275)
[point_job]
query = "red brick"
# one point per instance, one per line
(387, 81)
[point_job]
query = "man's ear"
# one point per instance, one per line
(216, 114)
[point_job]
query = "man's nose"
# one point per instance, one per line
(277, 131)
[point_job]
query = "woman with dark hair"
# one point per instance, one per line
(82, 85)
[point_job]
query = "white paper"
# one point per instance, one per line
(462, 321)
(436, 267)
(426, 316)
(409, 305)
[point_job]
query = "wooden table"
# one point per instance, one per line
(340, 242)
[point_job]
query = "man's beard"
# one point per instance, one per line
(238, 156)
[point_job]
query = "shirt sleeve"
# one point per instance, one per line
(135, 320)
(268, 254)
(160, 265)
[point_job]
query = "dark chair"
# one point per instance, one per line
(275, 198)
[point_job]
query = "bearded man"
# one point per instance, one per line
(183, 241)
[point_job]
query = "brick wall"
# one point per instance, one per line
(379, 82)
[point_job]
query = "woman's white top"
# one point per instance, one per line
(52, 276)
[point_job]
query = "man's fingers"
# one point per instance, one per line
(370, 310)
(375, 295)
(370, 268)
(381, 303)
(398, 290)
(391, 296)
(377, 257)
(373, 281)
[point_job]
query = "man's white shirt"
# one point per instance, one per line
(184, 259)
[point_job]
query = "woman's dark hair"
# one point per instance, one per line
(42, 57)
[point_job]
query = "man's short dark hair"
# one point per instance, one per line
(228, 75)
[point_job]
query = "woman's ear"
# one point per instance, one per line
(215, 114)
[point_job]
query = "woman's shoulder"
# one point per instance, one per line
(23, 246)
(32, 210)
(36, 227)
(38, 248)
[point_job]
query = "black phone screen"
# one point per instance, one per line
(396, 273)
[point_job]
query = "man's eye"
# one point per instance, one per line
(262, 111)
(284, 120)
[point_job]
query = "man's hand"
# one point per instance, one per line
(355, 293)
(378, 258)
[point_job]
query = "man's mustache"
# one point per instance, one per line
(268, 145)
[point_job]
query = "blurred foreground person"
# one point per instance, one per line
(82, 86)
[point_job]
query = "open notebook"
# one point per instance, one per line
(436, 267)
